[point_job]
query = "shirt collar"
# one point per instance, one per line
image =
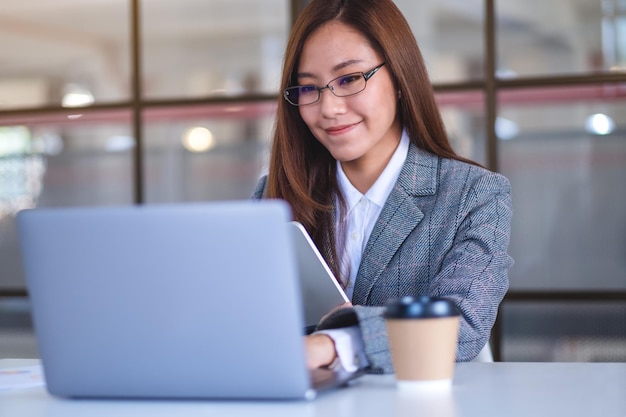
(381, 189)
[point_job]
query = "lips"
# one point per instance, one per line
(338, 130)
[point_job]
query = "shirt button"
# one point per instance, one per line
(354, 236)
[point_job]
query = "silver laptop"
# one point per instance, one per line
(320, 289)
(169, 301)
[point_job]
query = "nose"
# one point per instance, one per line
(330, 104)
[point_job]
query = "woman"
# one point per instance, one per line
(361, 154)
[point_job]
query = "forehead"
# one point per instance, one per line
(332, 45)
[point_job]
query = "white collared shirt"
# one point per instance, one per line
(362, 211)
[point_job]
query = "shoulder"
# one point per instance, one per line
(474, 189)
(259, 190)
(454, 173)
(425, 173)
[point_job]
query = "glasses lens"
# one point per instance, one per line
(302, 94)
(347, 85)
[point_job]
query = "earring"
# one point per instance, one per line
(399, 94)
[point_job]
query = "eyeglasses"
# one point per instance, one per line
(342, 86)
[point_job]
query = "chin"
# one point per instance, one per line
(344, 153)
(345, 158)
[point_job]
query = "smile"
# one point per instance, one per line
(338, 130)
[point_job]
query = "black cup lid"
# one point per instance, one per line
(420, 307)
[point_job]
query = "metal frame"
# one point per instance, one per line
(137, 103)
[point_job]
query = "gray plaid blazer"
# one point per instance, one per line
(443, 231)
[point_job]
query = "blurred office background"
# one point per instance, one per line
(116, 102)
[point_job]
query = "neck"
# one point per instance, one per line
(364, 172)
(362, 175)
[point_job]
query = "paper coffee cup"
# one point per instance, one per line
(423, 335)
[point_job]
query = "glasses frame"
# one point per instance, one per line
(365, 74)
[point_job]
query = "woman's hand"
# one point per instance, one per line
(320, 350)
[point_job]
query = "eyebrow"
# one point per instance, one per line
(336, 68)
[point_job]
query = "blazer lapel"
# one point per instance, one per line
(399, 216)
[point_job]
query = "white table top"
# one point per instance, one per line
(479, 390)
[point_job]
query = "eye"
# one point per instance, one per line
(346, 80)
(306, 89)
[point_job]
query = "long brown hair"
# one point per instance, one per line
(301, 170)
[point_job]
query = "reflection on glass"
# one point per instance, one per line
(49, 49)
(564, 332)
(21, 169)
(198, 139)
(60, 161)
(547, 37)
(463, 115)
(614, 34)
(599, 124)
(199, 48)
(76, 96)
(568, 189)
(202, 153)
(450, 35)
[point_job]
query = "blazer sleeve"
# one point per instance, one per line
(474, 273)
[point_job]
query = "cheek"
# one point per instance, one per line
(308, 116)
(381, 107)
(390, 97)
(390, 100)
(382, 98)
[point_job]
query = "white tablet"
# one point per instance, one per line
(321, 292)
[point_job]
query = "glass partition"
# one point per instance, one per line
(463, 114)
(566, 160)
(548, 37)
(70, 53)
(62, 160)
(564, 332)
(450, 35)
(197, 48)
(208, 152)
